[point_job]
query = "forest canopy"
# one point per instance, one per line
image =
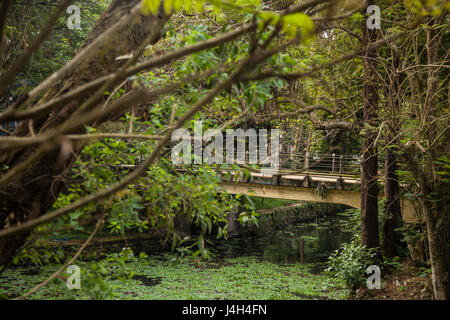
(88, 110)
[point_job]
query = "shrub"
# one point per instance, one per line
(350, 262)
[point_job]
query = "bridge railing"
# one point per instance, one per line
(314, 162)
(288, 162)
(326, 163)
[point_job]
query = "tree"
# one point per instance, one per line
(392, 213)
(41, 150)
(26, 195)
(429, 166)
(369, 163)
(417, 128)
(232, 71)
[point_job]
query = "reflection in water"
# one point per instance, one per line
(306, 242)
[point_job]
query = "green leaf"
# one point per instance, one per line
(295, 21)
(150, 6)
(168, 6)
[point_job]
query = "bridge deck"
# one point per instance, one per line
(306, 187)
(314, 177)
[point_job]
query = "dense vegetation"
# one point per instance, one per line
(87, 117)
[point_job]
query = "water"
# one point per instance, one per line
(306, 242)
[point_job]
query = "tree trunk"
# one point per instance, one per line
(438, 241)
(34, 190)
(436, 210)
(369, 163)
(437, 222)
(391, 205)
(392, 215)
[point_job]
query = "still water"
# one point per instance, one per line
(304, 242)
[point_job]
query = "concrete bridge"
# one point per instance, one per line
(313, 187)
(326, 178)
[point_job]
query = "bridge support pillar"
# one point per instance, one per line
(233, 227)
(340, 184)
(307, 181)
(276, 178)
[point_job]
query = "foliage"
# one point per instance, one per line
(96, 278)
(291, 23)
(350, 262)
(39, 256)
(25, 22)
(165, 198)
(236, 278)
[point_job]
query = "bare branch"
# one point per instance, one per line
(28, 225)
(42, 109)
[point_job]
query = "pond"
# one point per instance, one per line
(283, 264)
(304, 242)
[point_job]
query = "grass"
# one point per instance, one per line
(160, 279)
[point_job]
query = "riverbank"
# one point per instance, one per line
(409, 283)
